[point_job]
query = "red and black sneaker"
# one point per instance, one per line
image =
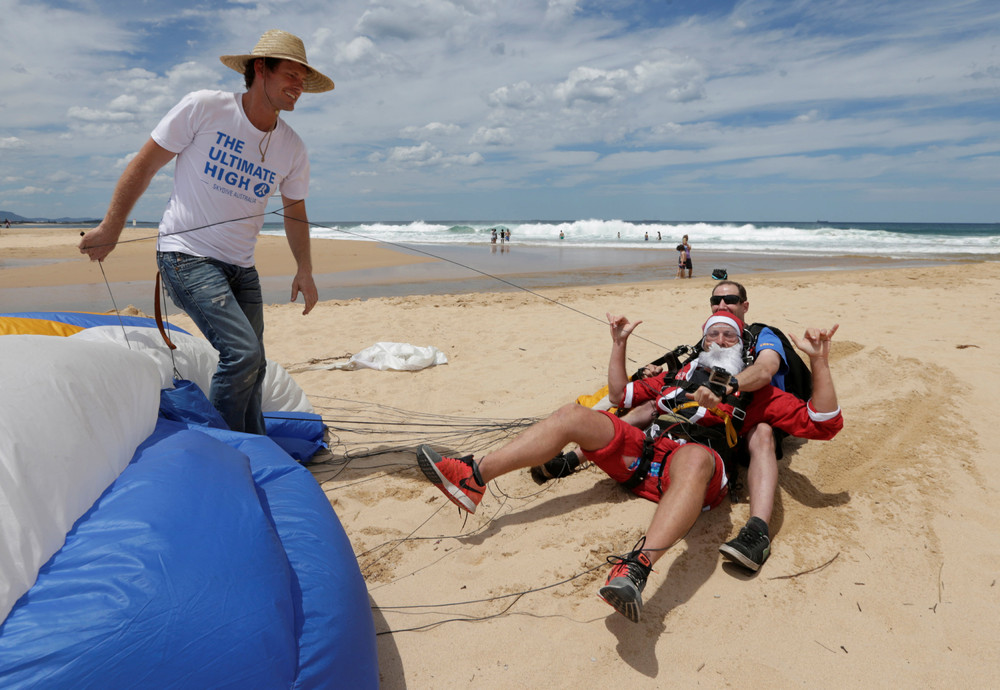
(456, 477)
(627, 579)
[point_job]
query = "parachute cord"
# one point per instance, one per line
(277, 212)
(416, 250)
(280, 213)
(168, 234)
(117, 313)
(516, 596)
(166, 320)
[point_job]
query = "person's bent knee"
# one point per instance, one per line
(692, 459)
(760, 442)
(573, 412)
(591, 429)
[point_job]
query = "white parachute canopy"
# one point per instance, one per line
(72, 414)
(398, 356)
(196, 360)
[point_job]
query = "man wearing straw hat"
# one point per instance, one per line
(233, 152)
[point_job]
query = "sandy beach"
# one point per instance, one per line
(885, 554)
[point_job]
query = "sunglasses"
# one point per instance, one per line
(728, 299)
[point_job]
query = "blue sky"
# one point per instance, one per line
(847, 110)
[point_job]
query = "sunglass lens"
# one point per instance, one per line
(728, 299)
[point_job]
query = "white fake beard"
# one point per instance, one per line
(729, 358)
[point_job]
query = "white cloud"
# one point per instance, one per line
(679, 82)
(424, 155)
(91, 115)
(30, 191)
(411, 19)
(591, 84)
(474, 158)
(492, 136)
(431, 129)
(558, 11)
(356, 50)
(520, 95)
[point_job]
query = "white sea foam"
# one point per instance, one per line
(779, 239)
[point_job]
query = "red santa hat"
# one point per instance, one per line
(726, 318)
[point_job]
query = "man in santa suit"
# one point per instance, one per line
(683, 478)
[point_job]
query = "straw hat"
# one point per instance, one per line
(285, 46)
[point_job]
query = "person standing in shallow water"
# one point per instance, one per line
(232, 150)
(684, 258)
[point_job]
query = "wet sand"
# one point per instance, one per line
(41, 269)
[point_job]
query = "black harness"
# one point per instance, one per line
(677, 425)
(798, 381)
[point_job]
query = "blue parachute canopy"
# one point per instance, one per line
(154, 552)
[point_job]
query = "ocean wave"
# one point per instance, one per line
(897, 240)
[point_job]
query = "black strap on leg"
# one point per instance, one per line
(642, 469)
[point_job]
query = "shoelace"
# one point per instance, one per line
(750, 537)
(633, 568)
(470, 461)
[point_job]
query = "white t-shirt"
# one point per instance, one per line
(221, 181)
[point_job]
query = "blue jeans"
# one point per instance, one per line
(225, 302)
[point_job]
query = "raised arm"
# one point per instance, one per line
(100, 241)
(621, 329)
(816, 344)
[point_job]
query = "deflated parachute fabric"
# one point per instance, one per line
(213, 560)
(300, 434)
(196, 360)
(288, 414)
(71, 416)
(67, 322)
(397, 356)
(287, 411)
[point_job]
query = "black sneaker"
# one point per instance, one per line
(627, 579)
(751, 547)
(561, 465)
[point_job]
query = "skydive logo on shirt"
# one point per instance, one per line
(227, 165)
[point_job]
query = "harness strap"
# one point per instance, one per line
(731, 437)
(159, 315)
(648, 450)
(642, 469)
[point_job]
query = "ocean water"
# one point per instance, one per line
(934, 241)
(591, 252)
